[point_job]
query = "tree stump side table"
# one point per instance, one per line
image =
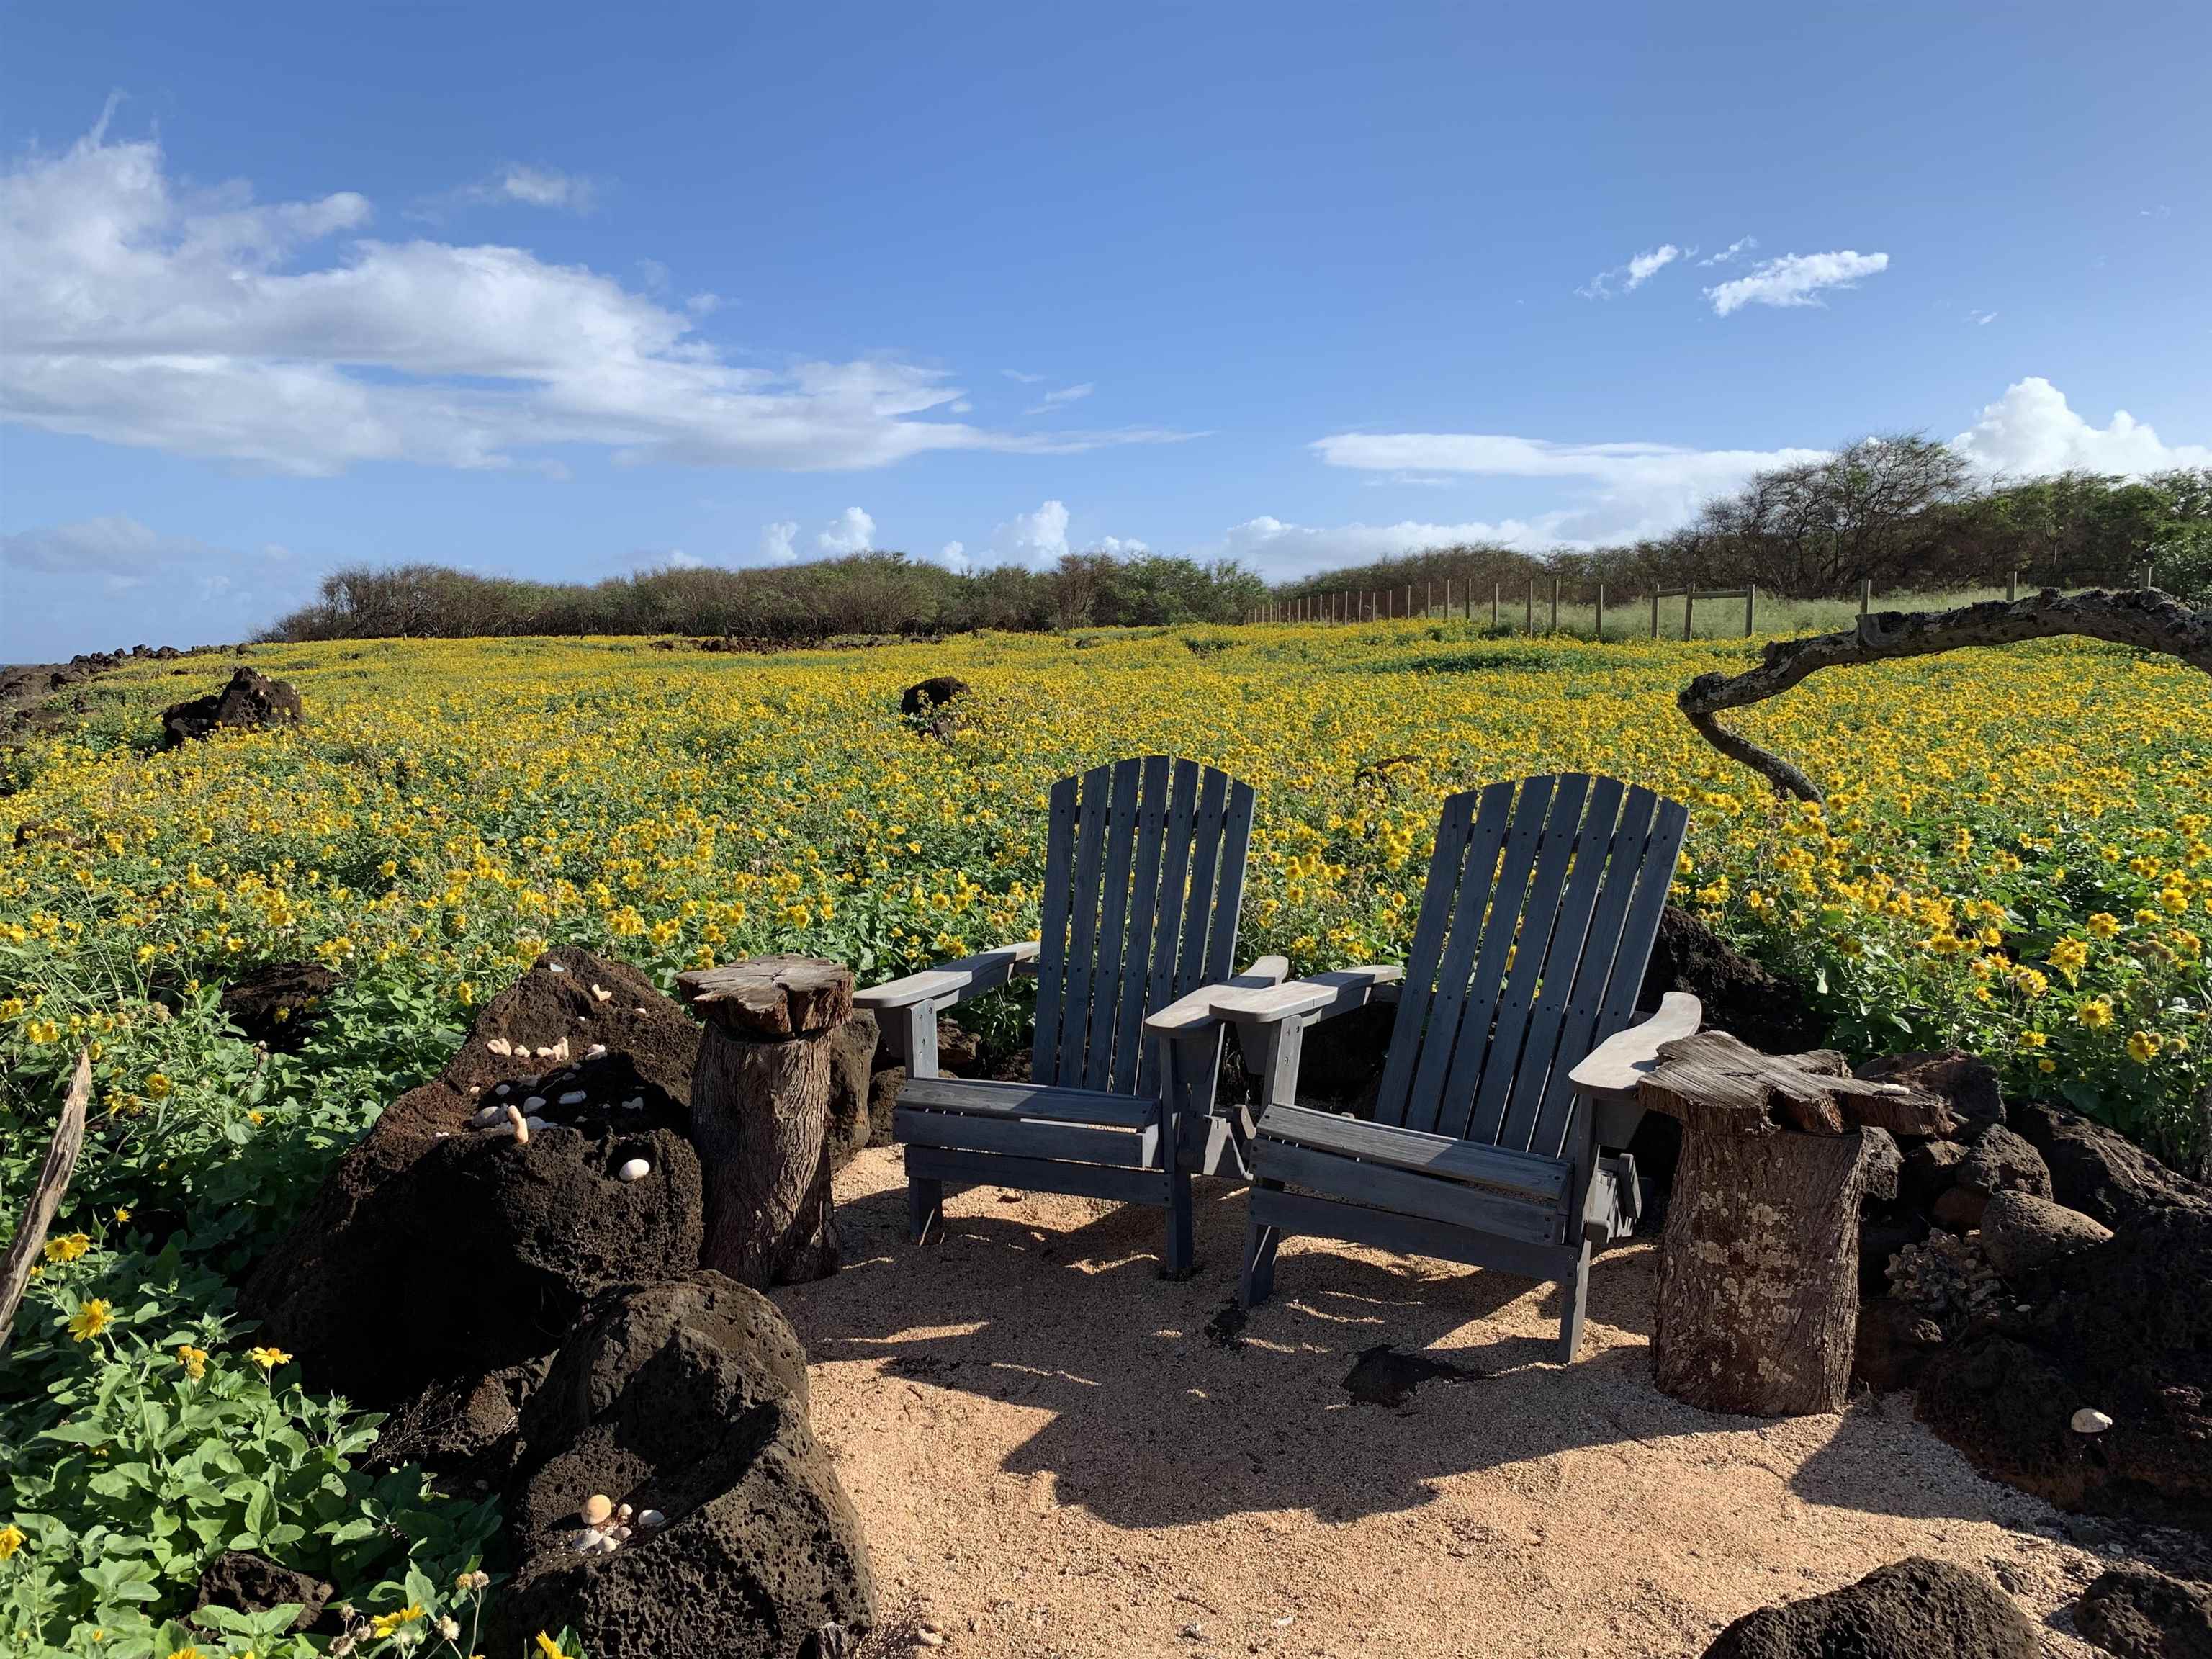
(1759, 1268)
(760, 1102)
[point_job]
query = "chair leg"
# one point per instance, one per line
(1178, 1264)
(1575, 1290)
(1260, 1242)
(925, 1208)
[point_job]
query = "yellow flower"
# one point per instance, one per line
(2104, 924)
(157, 1085)
(269, 1358)
(90, 1321)
(42, 1031)
(2143, 1047)
(69, 1248)
(550, 1649)
(122, 1214)
(194, 1360)
(384, 1623)
(2096, 1013)
(11, 1540)
(185, 1653)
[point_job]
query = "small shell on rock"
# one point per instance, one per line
(521, 1124)
(636, 1170)
(595, 1051)
(603, 993)
(574, 1097)
(2090, 1420)
(596, 1508)
(555, 967)
(638, 1009)
(588, 1540)
(533, 1102)
(475, 1088)
(622, 1513)
(499, 1045)
(542, 1053)
(649, 1519)
(607, 1544)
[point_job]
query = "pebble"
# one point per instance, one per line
(533, 1102)
(634, 1104)
(574, 1097)
(2090, 1421)
(535, 1122)
(555, 967)
(588, 1540)
(636, 1170)
(597, 1507)
(488, 1117)
(501, 1090)
(651, 1518)
(595, 1051)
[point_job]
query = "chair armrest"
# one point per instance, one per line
(958, 981)
(1309, 1001)
(1195, 1012)
(1612, 1070)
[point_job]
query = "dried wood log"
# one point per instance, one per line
(760, 1099)
(2144, 618)
(1759, 1270)
(1715, 1085)
(45, 1198)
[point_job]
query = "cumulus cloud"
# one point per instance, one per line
(546, 187)
(277, 336)
(1639, 270)
(2032, 430)
(1632, 489)
(1038, 538)
(851, 531)
(1727, 255)
(775, 542)
(1794, 279)
(953, 556)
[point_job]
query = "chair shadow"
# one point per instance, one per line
(1153, 1419)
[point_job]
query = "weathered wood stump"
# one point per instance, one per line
(760, 1097)
(1759, 1270)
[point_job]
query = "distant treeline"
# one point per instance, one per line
(1902, 512)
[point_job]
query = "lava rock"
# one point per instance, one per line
(2102, 1173)
(689, 1397)
(883, 1087)
(1958, 1209)
(251, 700)
(919, 700)
(852, 1065)
(1882, 1233)
(1895, 1341)
(1965, 1083)
(1929, 1168)
(466, 1430)
(959, 1050)
(2000, 1161)
(247, 1582)
(1740, 996)
(2140, 1614)
(276, 1003)
(331, 1290)
(2021, 1232)
(1880, 1163)
(1910, 1609)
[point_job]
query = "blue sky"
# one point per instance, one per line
(561, 292)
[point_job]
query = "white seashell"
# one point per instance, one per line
(620, 1535)
(574, 1097)
(475, 1088)
(533, 1102)
(622, 1513)
(595, 1051)
(603, 993)
(555, 967)
(499, 1045)
(638, 1009)
(596, 1508)
(543, 1053)
(561, 1049)
(587, 1540)
(2090, 1421)
(606, 1546)
(649, 1519)
(636, 1170)
(520, 1124)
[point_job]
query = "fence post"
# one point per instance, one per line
(1750, 609)
(1555, 604)
(1409, 599)
(1689, 604)
(2011, 585)
(1528, 619)
(1494, 586)
(1866, 602)
(2147, 570)
(1655, 613)
(1428, 600)
(1599, 634)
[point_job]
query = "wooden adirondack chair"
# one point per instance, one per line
(1144, 872)
(1512, 1061)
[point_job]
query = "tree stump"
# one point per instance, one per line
(760, 1100)
(1759, 1270)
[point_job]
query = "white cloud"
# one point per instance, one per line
(1017, 375)
(206, 324)
(953, 556)
(1742, 245)
(851, 531)
(1981, 318)
(775, 540)
(1796, 279)
(1636, 489)
(1639, 270)
(1119, 547)
(1281, 550)
(118, 553)
(648, 560)
(546, 187)
(1066, 394)
(1038, 538)
(2030, 430)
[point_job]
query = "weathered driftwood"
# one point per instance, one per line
(2144, 618)
(760, 1097)
(45, 1198)
(1759, 1270)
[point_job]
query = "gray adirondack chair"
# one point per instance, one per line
(1144, 872)
(1512, 1061)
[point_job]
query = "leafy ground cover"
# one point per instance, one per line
(2013, 858)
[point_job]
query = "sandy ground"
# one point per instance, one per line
(1053, 1457)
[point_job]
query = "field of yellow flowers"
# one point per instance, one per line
(2016, 853)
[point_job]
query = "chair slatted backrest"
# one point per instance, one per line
(1537, 924)
(1144, 872)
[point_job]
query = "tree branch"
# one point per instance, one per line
(2144, 618)
(45, 1198)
